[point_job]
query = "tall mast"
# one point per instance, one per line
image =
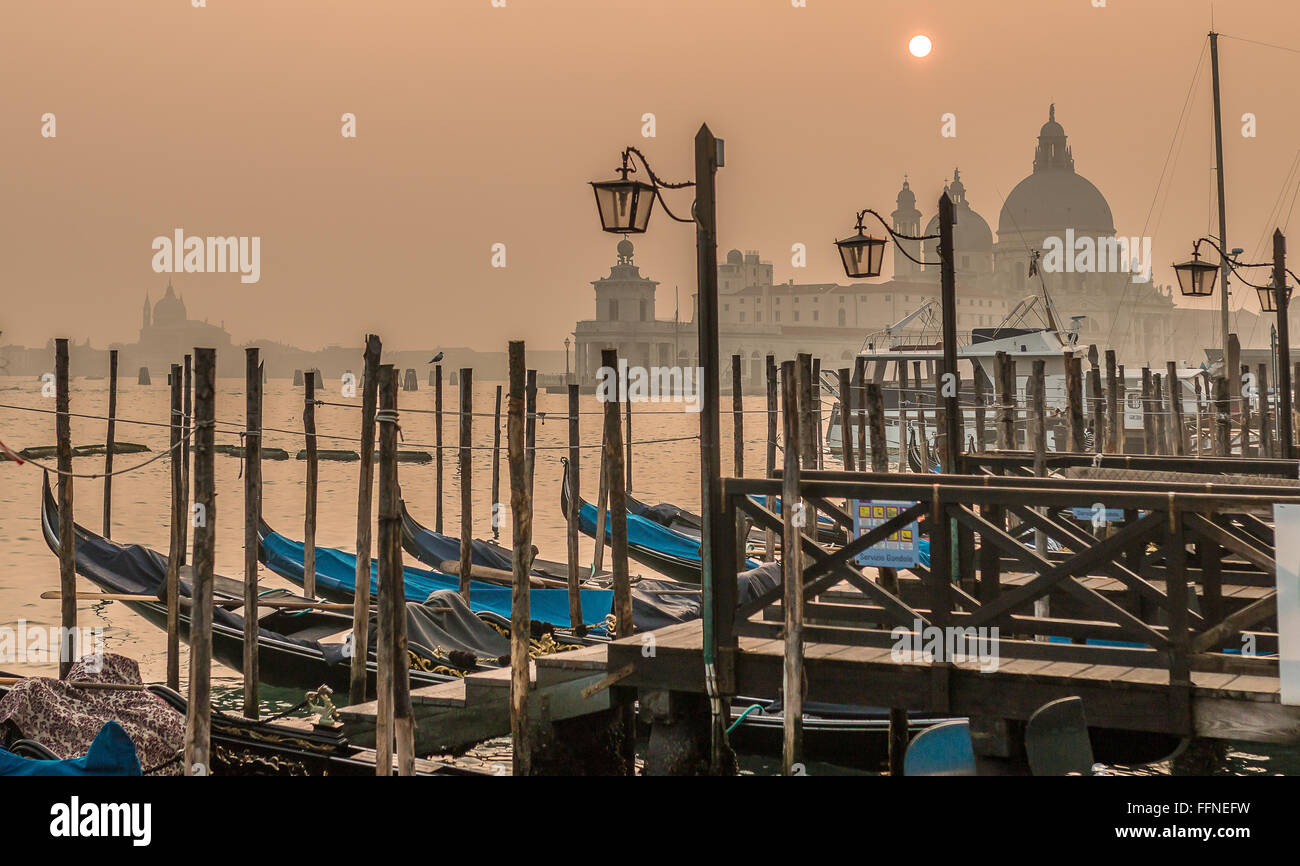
(1223, 218)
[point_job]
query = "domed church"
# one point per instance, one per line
(1052, 205)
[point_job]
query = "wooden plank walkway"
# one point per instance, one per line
(1224, 705)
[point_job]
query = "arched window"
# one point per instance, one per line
(842, 319)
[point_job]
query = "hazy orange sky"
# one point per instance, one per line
(479, 125)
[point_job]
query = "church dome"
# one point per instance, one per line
(170, 309)
(735, 258)
(971, 233)
(1054, 198)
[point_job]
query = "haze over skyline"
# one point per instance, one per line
(479, 125)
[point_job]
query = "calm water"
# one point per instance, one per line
(661, 472)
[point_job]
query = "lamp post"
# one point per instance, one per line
(863, 254)
(566, 360)
(1196, 279)
(625, 207)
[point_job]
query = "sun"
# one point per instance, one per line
(919, 46)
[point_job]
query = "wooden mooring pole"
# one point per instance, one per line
(575, 476)
(792, 574)
(437, 423)
(521, 511)
(613, 459)
(1114, 407)
(391, 580)
(365, 491)
(769, 535)
(496, 465)
(737, 419)
(108, 443)
(198, 715)
(384, 642)
(313, 475)
(252, 519)
(530, 425)
(1006, 383)
(187, 445)
(466, 476)
(846, 419)
(177, 538)
(1178, 431)
(67, 536)
(860, 376)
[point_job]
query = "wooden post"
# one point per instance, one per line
(807, 439)
(979, 409)
(1178, 432)
(1038, 440)
(860, 375)
(888, 577)
(197, 719)
(922, 433)
(1200, 414)
(846, 419)
(108, 443)
(1098, 411)
(1006, 383)
(385, 640)
(617, 504)
(575, 463)
(530, 426)
(1247, 447)
(602, 507)
(737, 418)
(313, 475)
(1074, 402)
(1222, 418)
(252, 519)
(437, 423)
(1157, 395)
(625, 624)
(496, 465)
(903, 425)
(67, 536)
(466, 476)
(521, 509)
(178, 518)
(186, 447)
(392, 578)
(1114, 407)
(1148, 417)
(627, 448)
(815, 457)
(792, 573)
(361, 597)
(1265, 425)
(769, 536)
(1233, 360)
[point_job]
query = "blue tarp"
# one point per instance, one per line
(111, 754)
(645, 533)
(336, 570)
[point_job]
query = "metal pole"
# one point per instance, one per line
(718, 584)
(1218, 162)
(952, 438)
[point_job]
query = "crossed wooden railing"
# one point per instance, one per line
(985, 570)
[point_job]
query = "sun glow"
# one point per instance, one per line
(919, 46)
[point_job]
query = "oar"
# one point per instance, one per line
(499, 575)
(286, 604)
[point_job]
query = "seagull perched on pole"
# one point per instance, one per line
(436, 358)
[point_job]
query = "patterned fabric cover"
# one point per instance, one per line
(65, 719)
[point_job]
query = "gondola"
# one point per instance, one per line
(296, 649)
(689, 523)
(434, 548)
(336, 580)
(650, 543)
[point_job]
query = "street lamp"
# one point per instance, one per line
(1194, 281)
(625, 206)
(1195, 277)
(862, 256)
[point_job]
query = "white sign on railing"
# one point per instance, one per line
(899, 550)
